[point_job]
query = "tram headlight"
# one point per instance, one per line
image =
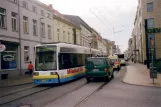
(53, 73)
(36, 73)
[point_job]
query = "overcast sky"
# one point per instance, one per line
(103, 16)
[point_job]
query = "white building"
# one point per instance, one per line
(21, 28)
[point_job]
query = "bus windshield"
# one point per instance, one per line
(45, 58)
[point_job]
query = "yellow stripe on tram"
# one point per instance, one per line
(45, 77)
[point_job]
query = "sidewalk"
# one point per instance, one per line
(138, 74)
(16, 81)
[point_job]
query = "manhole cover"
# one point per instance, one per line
(26, 105)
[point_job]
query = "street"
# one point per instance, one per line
(115, 93)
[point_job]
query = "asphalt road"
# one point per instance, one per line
(118, 94)
(115, 93)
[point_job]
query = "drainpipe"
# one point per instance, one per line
(19, 36)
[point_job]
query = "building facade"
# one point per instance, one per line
(65, 31)
(23, 25)
(27, 23)
(149, 10)
(130, 48)
(85, 29)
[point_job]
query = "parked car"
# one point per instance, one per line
(116, 61)
(99, 67)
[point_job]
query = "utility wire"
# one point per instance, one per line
(98, 18)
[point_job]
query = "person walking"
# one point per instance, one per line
(30, 68)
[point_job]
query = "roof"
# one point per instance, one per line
(78, 21)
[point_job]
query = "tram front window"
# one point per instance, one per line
(45, 58)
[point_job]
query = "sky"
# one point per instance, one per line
(113, 19)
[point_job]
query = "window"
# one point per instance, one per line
(14, 21)
(34, 9)
(49, 15)
(34, 27)
(64, 36)
(58, 23)
(15, 1)
(81, 42)
(42, 12)
(150, 23)
(2, 18)
(68, 38)
(25, 24)
(58, 31)
(49, 31)
(43, 30)
(150, 7)
(25, 5)
(26, 54)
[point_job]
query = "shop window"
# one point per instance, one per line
(26, 54)
(9, 57)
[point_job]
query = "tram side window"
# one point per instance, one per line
(64, 61)
(79, 60)
(67, 61)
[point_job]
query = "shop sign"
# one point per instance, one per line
(2, 47)
(154, 30)
(8, 58)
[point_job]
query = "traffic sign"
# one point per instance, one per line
(2, 47)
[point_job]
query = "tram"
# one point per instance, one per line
(60, 62)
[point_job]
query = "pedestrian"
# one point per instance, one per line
(30, 68)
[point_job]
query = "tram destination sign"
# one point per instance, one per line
(154, 30)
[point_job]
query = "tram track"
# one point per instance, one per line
(5, 100)
(16, 85)
(84, 92)
(46, 103)
(20, 95)
(86, 98)
(11, 93)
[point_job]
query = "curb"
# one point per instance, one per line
(139, 84)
